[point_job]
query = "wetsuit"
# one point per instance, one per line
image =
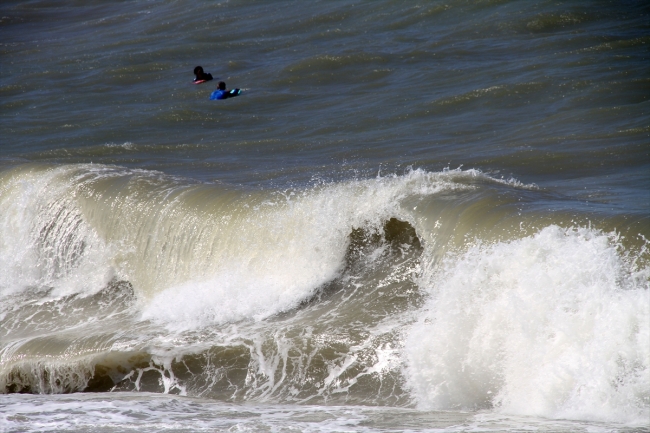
(224, 94)
(202, 78)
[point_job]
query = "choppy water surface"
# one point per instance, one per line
(430, 216)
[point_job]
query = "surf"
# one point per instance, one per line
(435, 290)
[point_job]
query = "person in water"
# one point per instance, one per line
(201, 77)
(222, 93)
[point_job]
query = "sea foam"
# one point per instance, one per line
(554, 325)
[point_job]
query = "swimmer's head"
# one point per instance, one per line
(198, 70)
(221, 85)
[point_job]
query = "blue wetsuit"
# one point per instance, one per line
(224, 94)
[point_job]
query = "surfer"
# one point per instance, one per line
(222, 93)
(201, 77)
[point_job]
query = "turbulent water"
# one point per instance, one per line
(418, 216)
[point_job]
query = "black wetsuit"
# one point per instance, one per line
(203, 77)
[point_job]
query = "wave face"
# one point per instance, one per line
(442, 290)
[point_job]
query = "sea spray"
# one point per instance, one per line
(46, 244)
(556, 325)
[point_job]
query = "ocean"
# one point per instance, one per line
(424, 216)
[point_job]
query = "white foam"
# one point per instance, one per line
(45, 242)
(146, 412)
(554, 325)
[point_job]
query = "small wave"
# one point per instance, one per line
(514, 92)
(553, 21)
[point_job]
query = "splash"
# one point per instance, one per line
(554, 325)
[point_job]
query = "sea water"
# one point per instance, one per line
(418, 216)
